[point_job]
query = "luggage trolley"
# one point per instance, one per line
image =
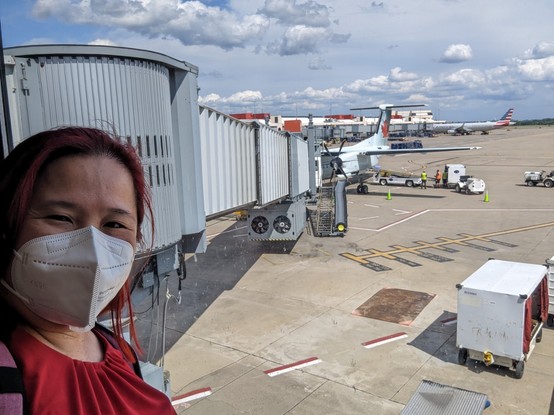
(550, 263)
(501, 311)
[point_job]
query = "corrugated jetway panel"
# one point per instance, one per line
(299, 166)
(188, 158)
(228, 162)
(273, 165)
(110, 88)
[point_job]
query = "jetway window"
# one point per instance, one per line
(162, 145)
(167, 146)
(163, 173)
(155, 147)
(147, 146)
(150, 176)
(158, 175)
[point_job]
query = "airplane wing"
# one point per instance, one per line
(377, 152)
(462, 130)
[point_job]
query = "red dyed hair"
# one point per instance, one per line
(19, 173)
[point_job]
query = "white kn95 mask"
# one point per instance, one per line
(69, 278)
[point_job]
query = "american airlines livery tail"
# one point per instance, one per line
(467, 128)
(506, 119)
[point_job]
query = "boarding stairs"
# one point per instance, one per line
(325, 210)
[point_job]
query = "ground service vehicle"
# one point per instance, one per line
(469, 184)
(532, 178)
(501, 311)
(385, 178)
(454, 172)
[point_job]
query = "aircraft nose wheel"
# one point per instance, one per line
(362, 189)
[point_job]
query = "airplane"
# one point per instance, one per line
(356, 162)
(467, 128)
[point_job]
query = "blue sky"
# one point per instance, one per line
(466, 59)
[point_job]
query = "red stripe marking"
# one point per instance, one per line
(380, 339)
(195, 392)
(300, 362)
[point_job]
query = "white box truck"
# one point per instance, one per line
(454, 173)
(501, 311)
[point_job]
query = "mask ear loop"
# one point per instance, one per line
(14, 292)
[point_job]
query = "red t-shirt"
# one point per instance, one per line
(58, 384)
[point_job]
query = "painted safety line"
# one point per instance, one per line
(383, 340)
(401, 212)
(449, 321)
(292, 366)
(190, 396)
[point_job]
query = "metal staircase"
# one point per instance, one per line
(325, 211)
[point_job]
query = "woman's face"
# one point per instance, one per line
(75, 192)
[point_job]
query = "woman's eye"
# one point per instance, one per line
(115, 225)
(60, 218)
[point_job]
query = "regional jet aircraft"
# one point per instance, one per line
(354, 162)
(467, 128)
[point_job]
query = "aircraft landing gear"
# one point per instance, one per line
(362, 189)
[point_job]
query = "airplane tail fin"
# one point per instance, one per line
(382, 134)
(506, 118)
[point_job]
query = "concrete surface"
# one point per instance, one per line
(254, 307)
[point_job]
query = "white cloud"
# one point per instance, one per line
(289, 12)
(538, 69)
(397, 75)
(192, 22)
(470, 78)
(102, 42)
(457, 53)
(299, 40)
(540, 50)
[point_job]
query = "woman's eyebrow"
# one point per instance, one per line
(59, 203)
(120, 211)
(52, 203)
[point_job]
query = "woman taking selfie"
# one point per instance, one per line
(73, 202)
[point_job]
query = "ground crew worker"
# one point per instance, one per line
(423, 180)
(438, 178)
(445, 179)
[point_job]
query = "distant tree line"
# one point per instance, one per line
(544, 121)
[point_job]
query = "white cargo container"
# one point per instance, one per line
(501, 311)
(454, 173)
(550, 263)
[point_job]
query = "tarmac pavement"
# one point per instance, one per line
(251, 308)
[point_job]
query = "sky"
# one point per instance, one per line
(467, 60)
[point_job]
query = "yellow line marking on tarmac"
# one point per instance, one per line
(464, 240)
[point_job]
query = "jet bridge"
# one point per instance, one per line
(248, 165)
(200, 163)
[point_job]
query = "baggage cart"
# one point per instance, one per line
(501, 311)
